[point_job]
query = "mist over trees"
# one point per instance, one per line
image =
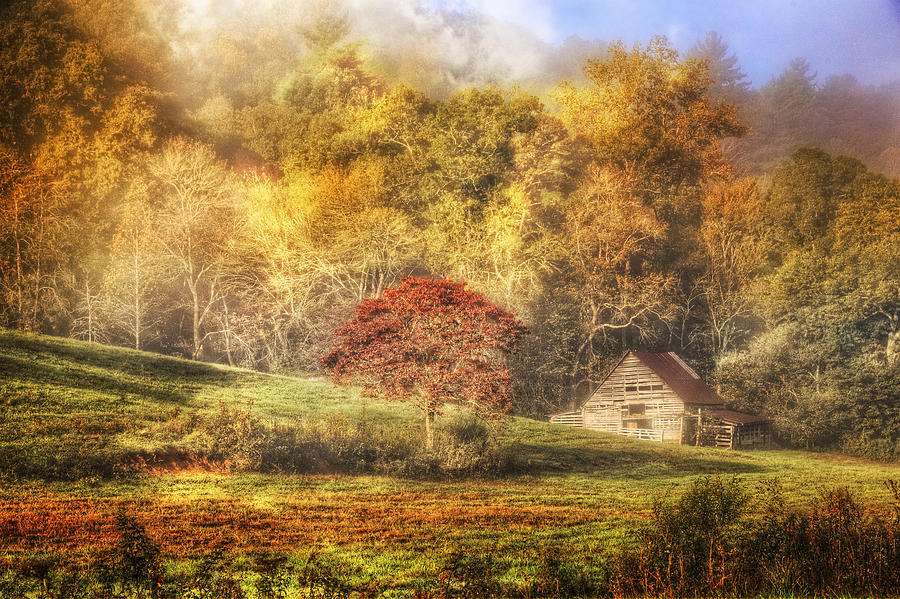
(797, 109)
(233, 197)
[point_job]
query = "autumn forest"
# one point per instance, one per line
(232, 199)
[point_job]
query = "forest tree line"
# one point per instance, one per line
(235, 204)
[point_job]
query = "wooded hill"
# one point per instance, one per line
(232, 202)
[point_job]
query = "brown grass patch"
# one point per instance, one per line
(174, 461)
(302, 519)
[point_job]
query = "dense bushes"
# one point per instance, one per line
(691, 545)
(475, 573)
(235, 439)
(464, 446)
(706, 544)
(834, 547)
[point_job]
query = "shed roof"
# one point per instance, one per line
(732, 417)
(680, 377)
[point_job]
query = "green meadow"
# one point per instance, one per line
(80, 425)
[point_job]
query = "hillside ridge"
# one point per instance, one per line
(67, 402)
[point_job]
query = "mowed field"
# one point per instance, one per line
(65, 403)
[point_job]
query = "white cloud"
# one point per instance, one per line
(538, 17)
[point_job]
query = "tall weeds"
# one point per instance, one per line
(464, 446)
(708, 544)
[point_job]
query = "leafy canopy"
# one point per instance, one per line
(429, 341)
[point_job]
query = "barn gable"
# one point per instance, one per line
(680, 377)
(655, 397)
(634, 400)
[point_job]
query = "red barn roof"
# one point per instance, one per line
(732, 417)
(680, 377)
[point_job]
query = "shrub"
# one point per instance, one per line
(464, 446)
(834, 547)
(692, 542)
(560, 576)
(137, 555)
(882, 450)
(702, 545)
(234, 435)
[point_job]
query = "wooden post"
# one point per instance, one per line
(699, 425)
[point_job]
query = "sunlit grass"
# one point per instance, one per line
(585, 491)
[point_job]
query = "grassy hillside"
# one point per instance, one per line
(66, 401)
(67, 406)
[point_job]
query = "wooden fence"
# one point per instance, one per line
(645, 434)
(569, 418)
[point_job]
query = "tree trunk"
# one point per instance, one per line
(36, 303)
(90, 310)
(20, 309)
(227, 334)
(196, 322)
(429, 430)
(699, 425)
(137, 294)
(573, 374)
(892, 349)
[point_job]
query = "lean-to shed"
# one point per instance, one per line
(658, 397)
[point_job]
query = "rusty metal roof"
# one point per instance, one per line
(680, 377)
(732, 417)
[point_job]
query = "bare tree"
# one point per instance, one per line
(27, 225)
(609, 229)
(733, 237)
(132, 285)
(193, 224)
(16, 193)
(310, 249)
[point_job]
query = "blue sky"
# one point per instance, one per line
(860, 37)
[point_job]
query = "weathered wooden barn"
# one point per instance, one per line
(657, 397)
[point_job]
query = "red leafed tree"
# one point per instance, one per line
(432, 342)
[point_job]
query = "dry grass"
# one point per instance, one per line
(174, 461)
(69, 406)
(53, 521)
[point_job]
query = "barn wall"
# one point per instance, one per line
(634, 399)
(732, 435)
(755, 435)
